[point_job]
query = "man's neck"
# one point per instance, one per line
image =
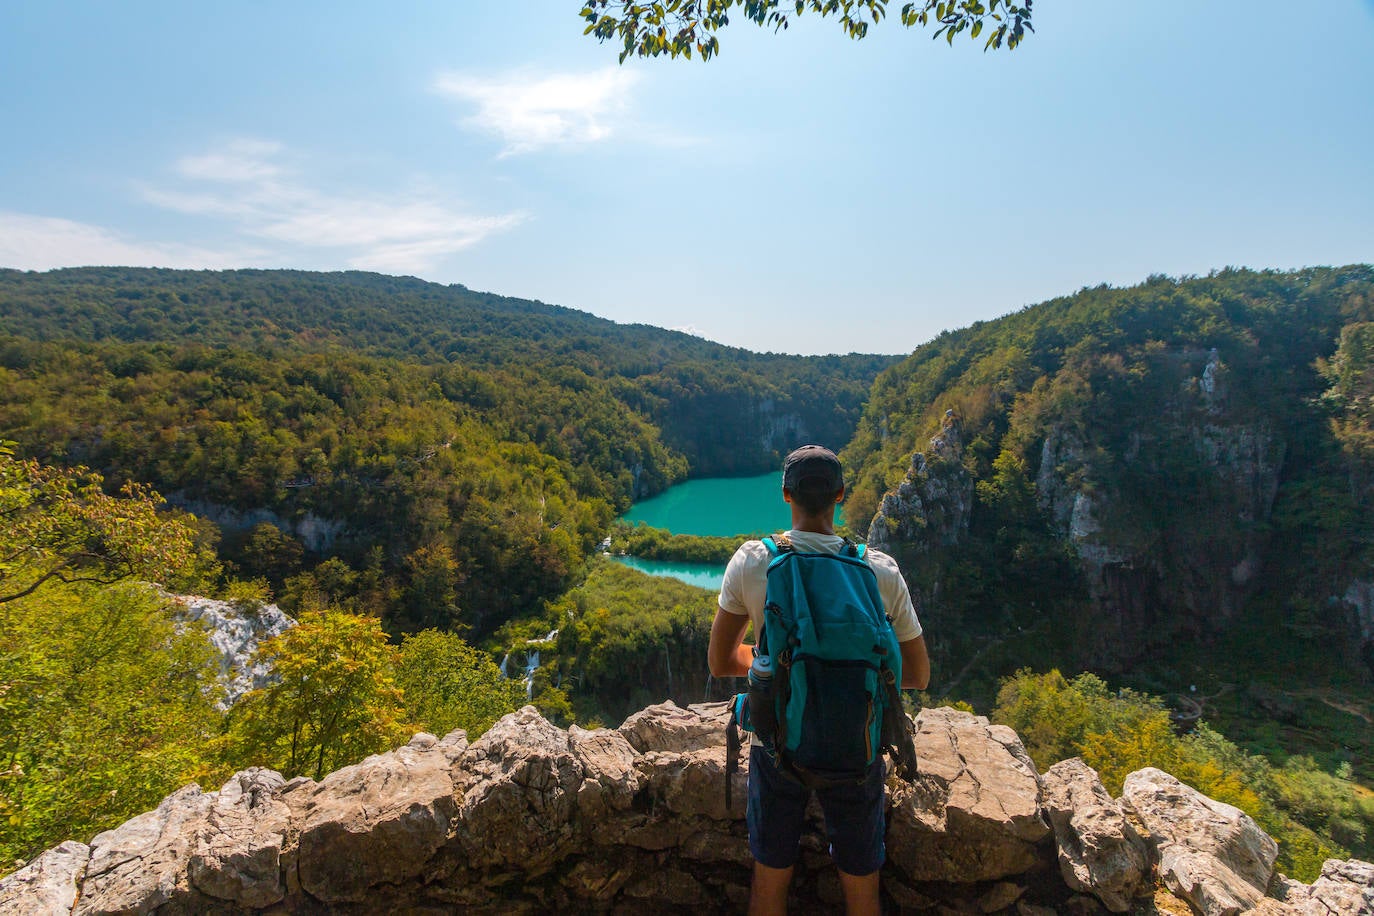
(815, 524)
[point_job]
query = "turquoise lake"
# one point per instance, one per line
(716, 506)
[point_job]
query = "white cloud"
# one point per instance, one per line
(243, 190)
(265, 200)
(529, 112)
(30, 242)
(241, 160)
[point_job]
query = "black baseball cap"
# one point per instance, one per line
(812, 468)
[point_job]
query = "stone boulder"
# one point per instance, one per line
(238, 848)
(534, 819)
(669, 727)
(376, 822)
(142, 864)
(1344, 887)
(518, 786)
(48, 884)
(973, 813)
(1100, 852)
(1210, 853)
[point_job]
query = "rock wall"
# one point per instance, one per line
(316, 533)
(931, 506)
(534, 819)
(1188, 570)
(1166, 508)
(235, 629)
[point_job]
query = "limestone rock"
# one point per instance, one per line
(669, 727)
(973, 813)
(373, 823)
(932, 504)
(1210, 853)
(141, 864)
(48, 884)
(610, 780)
(238, 849)
(519, 786)
(691, 784)
(1344, 887)
(533, 819)
(1099, 851)
(235, 629)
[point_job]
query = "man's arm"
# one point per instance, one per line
(915, 662)
(726, 656)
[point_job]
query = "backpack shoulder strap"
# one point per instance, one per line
(778, 545)
(854, 550)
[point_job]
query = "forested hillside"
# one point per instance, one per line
(440, 457)
(1168, 483)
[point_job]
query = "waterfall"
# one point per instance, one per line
(531, 662)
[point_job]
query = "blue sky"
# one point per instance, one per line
(801, 193)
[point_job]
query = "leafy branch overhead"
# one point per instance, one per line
(58, 525)
(683, 27)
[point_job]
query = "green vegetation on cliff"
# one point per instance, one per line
(1125, 477)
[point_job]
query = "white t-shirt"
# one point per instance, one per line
(746, 581)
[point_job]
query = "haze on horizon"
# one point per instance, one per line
(800, 193)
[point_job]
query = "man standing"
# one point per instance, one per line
(813, 485)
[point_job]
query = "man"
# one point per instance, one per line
(813, 485)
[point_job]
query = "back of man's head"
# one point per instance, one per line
(813, 477)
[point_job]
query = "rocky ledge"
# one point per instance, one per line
(534, 819)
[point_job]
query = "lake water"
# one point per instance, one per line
(702, 575)
(717, 506)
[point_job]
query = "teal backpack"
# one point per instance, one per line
(834, 699)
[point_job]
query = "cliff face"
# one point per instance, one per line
(533, 819)
(1166, 513)
(1134, 468)
(930, 507)
(1171, 532)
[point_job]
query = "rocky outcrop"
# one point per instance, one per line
(316, 533)
(1209, 853)
(973, 814)
(1100, 851)
(48, 884)
(931, 505)
(534, 819)
(235, 629)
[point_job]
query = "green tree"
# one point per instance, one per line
(270, 552)
(105, 707)
(447, 684)
(683, 27)
(1313, 815)
(57, 525)
(334, 702)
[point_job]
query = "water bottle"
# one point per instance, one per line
(762, 714)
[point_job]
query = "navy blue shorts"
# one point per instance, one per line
(854, 817)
